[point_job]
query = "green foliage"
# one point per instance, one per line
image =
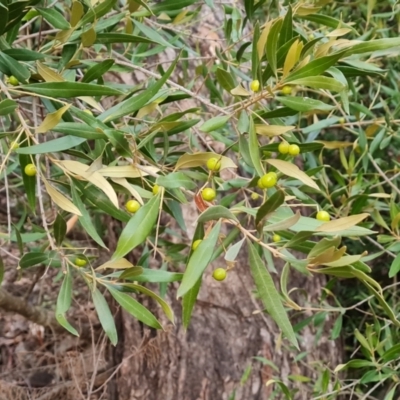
(328, 74)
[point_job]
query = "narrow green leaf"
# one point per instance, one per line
(315, 67)
(245, 151)
(373, 45)
(85, 219)
(176, 180)
(287, 28)
(52, 146)
(215, 213)
(138, 228)
(395, 266)
(164, 305)
(97, 70)
(98, 198)
(188, 302)
(214, 123)
(3, 17)
(62, 320)
(269, 295)
(97, 12)
(79, 130)
(24, 54)
(105, 316)
(171, 5)
(7, 106)
(337, 327)
(225, 79)
(355, 364)
(151, 275)
(391, 354)
(272, 44)
(64, 298)
(304, 104)
(70, 89)
(15, 68)
(134, 103)
(233, 251)
(199, 261)
(113, 37)
(320, 82)
(54, 18)
(19, 240)
(118, 140)
(152, 34)
(255, 58)
(388, 310)
(134, 308)
(254, 148)
(277, 113)
(273, 202)
(59, 229)
(33, 258)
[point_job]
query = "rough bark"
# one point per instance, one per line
(208, 361)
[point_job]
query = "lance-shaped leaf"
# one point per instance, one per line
(105, 316)
(275, 201)
(138, 228)
(70, 89)
(342, 223)
(188, 302)
(134, 103)
(293, 171)
(269, 295)
(199, 261)
(134, 308)
(200, 159)
(52, 146)
(63, 202)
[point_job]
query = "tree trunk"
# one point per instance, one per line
(209, 360)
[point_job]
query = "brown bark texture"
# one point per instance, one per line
(209, 360)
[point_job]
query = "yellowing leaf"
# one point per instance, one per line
(146, 110)
(372, 129)
(124, 171)
(334, 144)
(121, 263)
(239, 90)
(293, 171)
(307, 9)
(303, 62)
(291, 58)
(339, 32)
(92, 102)
(263, 40)
(52, 120)
(63, 36)
(342, 223)
(95, 178)
(88, 37)
(323, 49)
(48, 74)
(58, 198)
(180, 17)
(200, 159)
(273, 130)
(123, 182)
(76, 13)
(380, 195)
